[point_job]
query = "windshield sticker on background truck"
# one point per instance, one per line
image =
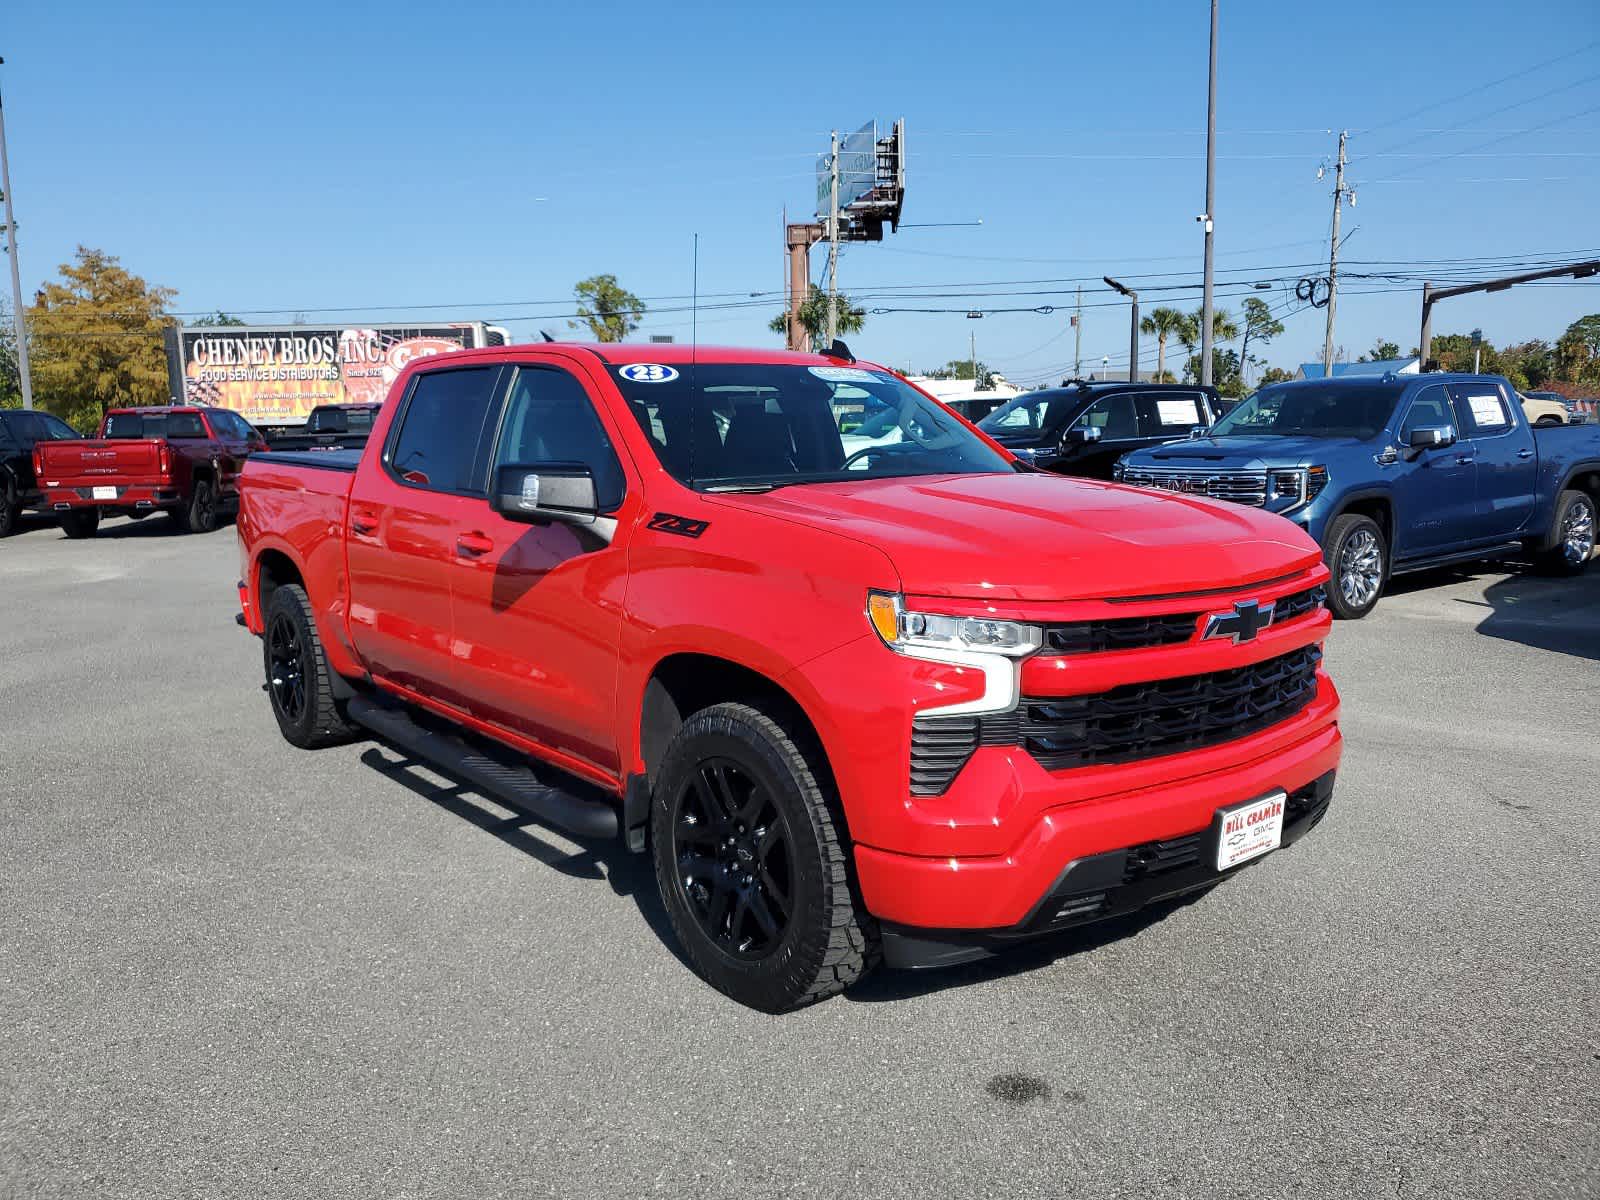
(647, 373)
(1178, 412)
(1487, 411)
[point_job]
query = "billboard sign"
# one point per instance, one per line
(275, 375)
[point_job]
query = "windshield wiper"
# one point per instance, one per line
(742, 487)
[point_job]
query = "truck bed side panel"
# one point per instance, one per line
(1565, 452)
(298, 509)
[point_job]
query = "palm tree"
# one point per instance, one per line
(1223, 329)
(1163, 323)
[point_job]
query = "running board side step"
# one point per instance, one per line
(517, 787)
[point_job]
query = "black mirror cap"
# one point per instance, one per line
(1431, 437)
(538, 493)
(1082, 435)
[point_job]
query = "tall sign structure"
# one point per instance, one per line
(861, 187)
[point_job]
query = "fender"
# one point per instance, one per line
(1547, 540)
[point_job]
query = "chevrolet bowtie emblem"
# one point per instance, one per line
(1247, 619)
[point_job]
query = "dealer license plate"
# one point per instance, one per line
(105, 493)
(1250, 829)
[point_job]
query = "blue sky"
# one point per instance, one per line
(476, 158)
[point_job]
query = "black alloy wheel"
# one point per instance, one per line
(735, 859)
(286, 669)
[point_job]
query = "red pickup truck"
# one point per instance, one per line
(184, 460)
(912, 701)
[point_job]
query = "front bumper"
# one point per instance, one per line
(1098, 887)
(999, 892)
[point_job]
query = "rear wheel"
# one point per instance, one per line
(1359, 560)
(80, 522)
(1574, 534)
(1548, 421)
(299, 682)
(201, 515)
(753, 864)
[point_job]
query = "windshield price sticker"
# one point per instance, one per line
(1179, 412)
(647, 373)
(1487, 411)
(846, 374)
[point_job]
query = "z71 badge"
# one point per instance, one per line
(682, 526)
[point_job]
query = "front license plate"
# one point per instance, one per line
(105, 493)
(1250, 829)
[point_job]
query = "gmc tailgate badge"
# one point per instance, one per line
(1246, 620)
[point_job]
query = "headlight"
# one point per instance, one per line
(1290, 487)
(905, 631)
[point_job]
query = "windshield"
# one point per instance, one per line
(1312, 410)
(761, 425)
(1028, 414)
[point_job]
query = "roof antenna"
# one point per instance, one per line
(546, 336)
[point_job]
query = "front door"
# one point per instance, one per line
(538, 610)
(403, 524)
(1117, 419)
(1434, 490)
(1507, 463)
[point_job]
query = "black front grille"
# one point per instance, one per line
(1287, 608)
(1157, 858)
(1143, 720)
(1119, 633)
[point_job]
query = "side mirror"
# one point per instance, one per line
(1432, 437)
(1081, 435)
(538, 493)
(1198, 431)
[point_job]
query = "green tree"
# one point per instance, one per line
(1274, 375)
(95, 336)
(1454, 353)
(1161, 324)
(962, 368)
(1223, 329)
(10, 373)
(1381, 351)
(609, 310)
(1577, 352)
(221, 318)
(814, 317)
(1260, 324)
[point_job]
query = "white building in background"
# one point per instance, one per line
(965, 389)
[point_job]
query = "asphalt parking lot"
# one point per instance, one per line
(229, 968)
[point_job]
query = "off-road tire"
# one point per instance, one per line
(1341, 532)
(829, 941)
(200, 514)
(80, 523)
(318, 720)
(1556, 560)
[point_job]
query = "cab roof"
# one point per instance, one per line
(666, 353)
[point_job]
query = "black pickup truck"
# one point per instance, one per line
(329, 427)
(1083, 427)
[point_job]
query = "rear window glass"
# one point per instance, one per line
(155, 425)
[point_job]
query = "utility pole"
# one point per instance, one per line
(972, 334)
(833, 238)
(1333, 260)
(1206, 306)
(1077, 342)
(16, 271)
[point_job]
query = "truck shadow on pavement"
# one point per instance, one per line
(1545, 612)
(629, 875)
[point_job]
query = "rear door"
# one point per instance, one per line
(538, 608)
(1117, 418)
(1436, 490)
(1507, 464)
(235, 439)
(1171, 416)
(403, 521)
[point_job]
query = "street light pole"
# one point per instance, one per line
(1133, 328)
(16, 271)
(1206, 306)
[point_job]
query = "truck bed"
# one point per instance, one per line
(98, 461)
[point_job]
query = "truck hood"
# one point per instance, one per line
(1244, 452)
(1045, 537)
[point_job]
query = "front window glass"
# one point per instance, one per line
(1311, 410)
(1430, 410)
(550, 419)
(1025, 414)
(1113, 416)
(759, 425)
(438, 441)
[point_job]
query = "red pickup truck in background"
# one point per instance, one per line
(182, 460)
(912, 700)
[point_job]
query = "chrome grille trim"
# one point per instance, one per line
(1241, 487)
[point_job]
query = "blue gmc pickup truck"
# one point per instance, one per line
(1395, 474)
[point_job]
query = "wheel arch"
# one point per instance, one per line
(1377, 505)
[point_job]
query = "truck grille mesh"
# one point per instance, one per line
(1143, 720)
(1242, 487)
(1167, 629)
